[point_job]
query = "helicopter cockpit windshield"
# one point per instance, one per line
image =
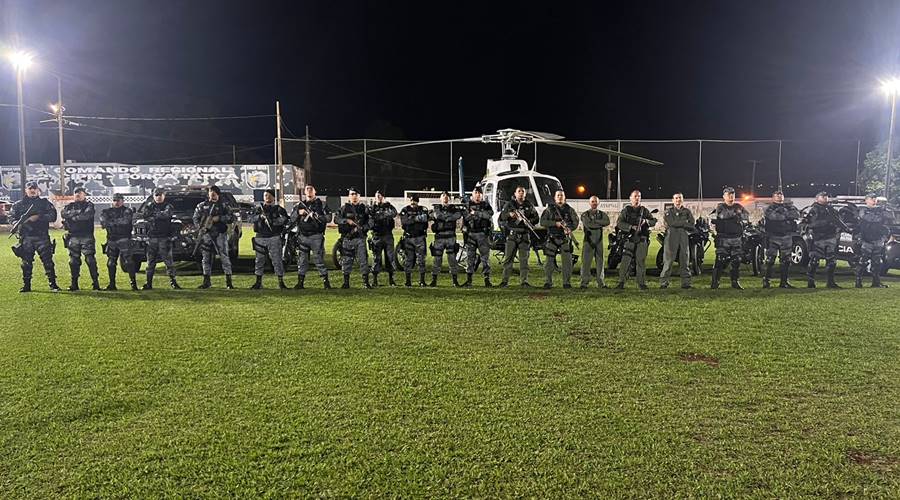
(547, 188)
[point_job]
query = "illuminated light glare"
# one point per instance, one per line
(20, 60)
(891, 86)
(581, 189)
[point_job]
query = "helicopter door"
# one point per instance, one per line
(488, 189)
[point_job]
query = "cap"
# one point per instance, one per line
(414, 197)
(270, 191)
(871, 195)
(477, 190)
(445, 193)
(821, 193)
(79, 189)
(215, 189)
(778, 192)
(352, 190)
(159, 191)
(31, 185)
(118, 196)
(728, 190)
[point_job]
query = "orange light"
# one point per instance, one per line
(581, 189)
(747, 197)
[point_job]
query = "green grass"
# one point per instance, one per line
(446, 392)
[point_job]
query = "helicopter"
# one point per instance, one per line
(502, 176)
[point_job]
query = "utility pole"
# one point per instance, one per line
(233, 154)
(22, 165)
(279, 155)
(307, 162)
(753, 177)
(887, 166)
(59, 126)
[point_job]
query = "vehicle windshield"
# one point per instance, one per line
(547, 187)
(185, 205)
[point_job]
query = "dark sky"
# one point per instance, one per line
(799, 70)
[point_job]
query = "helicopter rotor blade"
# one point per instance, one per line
(586, 147)
(399, 146)
(546, 136)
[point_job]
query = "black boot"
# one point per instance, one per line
(95, 283)
(228, 284)
(281, 285)
(735, 276)
(422, 279)
(456, 281)
(148, 285)
(766, 282)
(831, 282)
(132, 278)
(487, 283)
(374, 279)
(346, 282)
(468, 283)
(326, 283)
(257, 285)
(207, 282)
(366, 281)
(811, 275)
(300, 279)
(173, 283)
(26, 286)
(785, 283)
(876, 277)
(408, 280)
(111, 287)
(715, 278)
(433, 281)
(858, 282)
(53, 286)
(391, 279)
(73, 287)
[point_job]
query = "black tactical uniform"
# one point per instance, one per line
(477, 228)
(353, 240)
(730, 222)
(873, 232)
(78, 219)
(444, 229)
(159, 244)
(118, 247)
(414, 219)
(518, 238)
(215, 240)
(822, 222)
(34, 237)
(269, 221)
(311, 239)
(780, 226)
(382, 241)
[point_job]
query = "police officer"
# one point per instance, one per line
(31, 216)
(730, 219)
(780, 226)
(311, 218)
(873, 231)
(560, 219)
(215, 216)
(593, 220)
(477, 228)
(159, 215)
(444, 228)
(269, 220)
(118, 220)
(679, 224)
(382, 240)
(513, 219)
(353, 221)
(637, 220)
(78, 219)
(822, 222)
(414, 219)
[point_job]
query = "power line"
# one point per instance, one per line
(169, 119)
(150, 162)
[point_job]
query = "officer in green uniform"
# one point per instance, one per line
(560, 219)
(593, 221)
(679, 223)
(637, 221)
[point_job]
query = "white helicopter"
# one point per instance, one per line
(502, 176)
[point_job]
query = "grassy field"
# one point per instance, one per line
(448, 392)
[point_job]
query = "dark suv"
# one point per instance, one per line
(185, 201)
(848, 247)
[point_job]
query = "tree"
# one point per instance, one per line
(871, 178)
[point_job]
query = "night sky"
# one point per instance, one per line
(806, 71)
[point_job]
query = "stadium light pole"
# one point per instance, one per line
(891, 88)
(20, 61)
